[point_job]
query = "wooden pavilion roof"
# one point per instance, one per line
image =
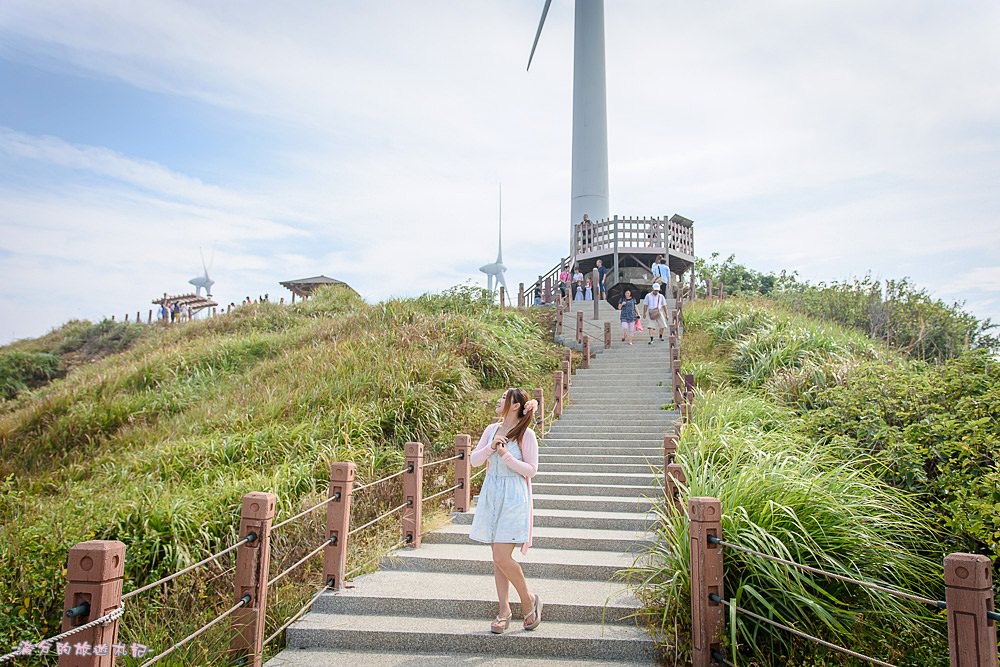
(196, 301)
(305, 286)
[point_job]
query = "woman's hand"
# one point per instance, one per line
(502, 449)
(499, 441)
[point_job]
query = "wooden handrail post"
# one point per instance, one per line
(708, 289)
(567, 370)
(338, 523)
(252, 565)
(673, 477)
(502, 300)
(972, 635)
(540, 413)
(692, 296)
(722, 290)
(669, 449)
(585, 360)
(557, 394)
(559, 321)
(94, 574)
(548, 290)
(413, 493)
(579, 326)
(463, 472)
(706, 579)
(520, 295)
(607, 335)
(150, 316)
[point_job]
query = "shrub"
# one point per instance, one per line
(25, 370)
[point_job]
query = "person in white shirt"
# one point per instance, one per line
(654, 307)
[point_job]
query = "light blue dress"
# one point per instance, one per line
(503, 513)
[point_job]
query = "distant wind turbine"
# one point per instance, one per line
(589, 190)
(496, 269)
(204, 281)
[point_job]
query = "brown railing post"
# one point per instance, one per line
(520, 295)
(463, 471)
(607, 335)
(557, 394)
(972, 636)
(585, 360)
(708, 289)
(548, 290)
(252, 564)
(673, 477)
(94, 577)
(413, 493)
(579, 326)
(669, 449)
(692, 296)
(559, 321)
(722, 290)
(540, 413)
(706, 579)
(338, 523)
(150, 316)
(567, 370)
(502, 299)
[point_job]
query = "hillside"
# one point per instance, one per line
(156, 445)
(838, 451)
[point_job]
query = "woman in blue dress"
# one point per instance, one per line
(503, 515)
(628, 316)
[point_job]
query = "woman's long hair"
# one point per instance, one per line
(515, 395)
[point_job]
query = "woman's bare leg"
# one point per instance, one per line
(511, 569)
(503, 590)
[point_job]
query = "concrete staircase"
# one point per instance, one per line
(599, 473)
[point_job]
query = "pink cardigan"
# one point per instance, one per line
(526, 467)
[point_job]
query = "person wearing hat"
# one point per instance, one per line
(653, 307)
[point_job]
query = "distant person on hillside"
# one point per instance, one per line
(564, 277)
(504, 514)
(602, 288)
(586, 234)
(628, 316)
(661, 274)
(653, 307)
(578, 282)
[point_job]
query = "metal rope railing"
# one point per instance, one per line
(312, 553)
(103, 620)
(244, 601)
(249, 538)
(940, 604)
(846, 651)
(450, 458)
(441, 493)
(297, 615)
(355, 489)
(379, 518)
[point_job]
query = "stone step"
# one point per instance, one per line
(449, 595)
(462, 636)
(577, 518)
(292, 657)
(547, 537)
(649, 419)
(609, 431)
(630, 490)
(586, 480)
(601, 504)
(646, 467)
(641, 442)
(539, 562)
(623, 448)
(548, 457)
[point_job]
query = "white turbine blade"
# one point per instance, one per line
(502, 282)
(538, 33)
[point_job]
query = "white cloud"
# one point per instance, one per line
(829, 138)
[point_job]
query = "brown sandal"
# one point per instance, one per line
(500, 624)
(536, 611)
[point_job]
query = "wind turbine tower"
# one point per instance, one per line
(589, 190)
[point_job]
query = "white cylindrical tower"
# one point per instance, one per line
(590, 116)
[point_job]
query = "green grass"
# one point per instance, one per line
(156, 444)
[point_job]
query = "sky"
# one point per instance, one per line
(366, 140)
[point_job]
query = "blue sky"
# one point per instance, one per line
(366, 140)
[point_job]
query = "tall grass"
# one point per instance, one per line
(157, 444)
(786, 497)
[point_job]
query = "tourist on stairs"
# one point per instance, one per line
(628, 316)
